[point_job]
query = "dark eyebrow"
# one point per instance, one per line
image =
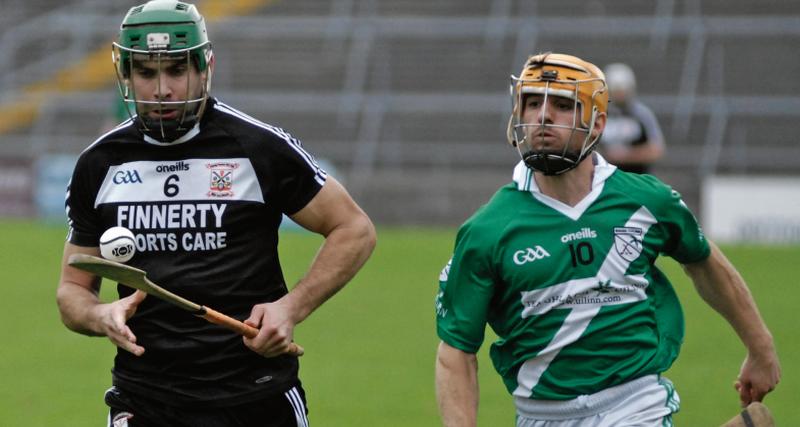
(139, 65)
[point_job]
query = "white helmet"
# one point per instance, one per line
(620, 77)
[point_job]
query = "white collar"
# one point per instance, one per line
(523, 177)
(187, 136)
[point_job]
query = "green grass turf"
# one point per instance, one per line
(371, 349)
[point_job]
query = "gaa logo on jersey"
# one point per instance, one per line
(529, 255)
(628, 242)
(127, 177)
(221, 184)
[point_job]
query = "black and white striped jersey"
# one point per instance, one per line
(205, 211)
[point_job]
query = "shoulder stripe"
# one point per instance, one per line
(122, 125)
(275, 130)
(127, 123)
(67, 208)
(320, 175)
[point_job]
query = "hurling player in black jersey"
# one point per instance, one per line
(203, 187)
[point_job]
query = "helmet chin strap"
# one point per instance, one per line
(551, 164)
(167, 130)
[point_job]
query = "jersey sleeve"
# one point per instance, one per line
(83, 220)
(686, 242)
(466, 287)
(299, 176)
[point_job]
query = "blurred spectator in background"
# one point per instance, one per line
(632, 140)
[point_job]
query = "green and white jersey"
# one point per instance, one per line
(572, 292)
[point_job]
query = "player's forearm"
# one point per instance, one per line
(343, 253)
(78, 308)
(724, 289)
(457, 387)
(77, 292)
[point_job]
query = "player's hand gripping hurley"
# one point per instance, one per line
(137, 279)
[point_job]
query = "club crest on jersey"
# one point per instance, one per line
(628, 242)
(221, 179)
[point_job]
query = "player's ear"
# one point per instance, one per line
(599, 124)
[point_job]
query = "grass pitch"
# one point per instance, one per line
(370, 349)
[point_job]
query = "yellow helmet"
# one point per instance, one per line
(566, 76)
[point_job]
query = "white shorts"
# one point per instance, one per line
(647, 401)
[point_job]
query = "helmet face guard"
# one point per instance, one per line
(563, 76)
(163, 32)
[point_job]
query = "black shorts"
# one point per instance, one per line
(282, 410)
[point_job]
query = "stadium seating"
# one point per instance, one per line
(408, 98)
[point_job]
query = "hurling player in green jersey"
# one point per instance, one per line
(560, 263)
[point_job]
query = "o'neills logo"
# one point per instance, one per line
(175, 167)
(585, 233)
